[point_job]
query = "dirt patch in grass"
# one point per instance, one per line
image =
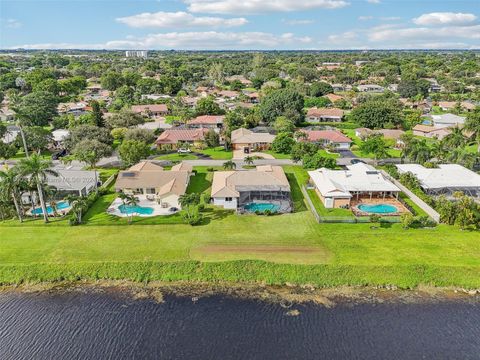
(214, 249)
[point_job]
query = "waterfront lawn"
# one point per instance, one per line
(271, 249)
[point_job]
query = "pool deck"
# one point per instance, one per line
(158, 210)
(60, 212)
(377, 201)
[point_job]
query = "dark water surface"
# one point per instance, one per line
(92, 325)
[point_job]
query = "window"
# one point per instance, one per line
(228, 199)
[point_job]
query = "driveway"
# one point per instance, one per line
(240, 155)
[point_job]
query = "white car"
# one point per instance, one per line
(183, 150)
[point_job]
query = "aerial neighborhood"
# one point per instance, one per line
(114, 137)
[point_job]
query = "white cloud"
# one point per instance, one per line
(177, 19)
(190, 40)
(374, 1)
(424, 33)
(445, 18)
(13, 24)
(260, 6)
(365, 17)
(344, 37)
(298, 21)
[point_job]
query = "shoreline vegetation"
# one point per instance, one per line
(286, 295)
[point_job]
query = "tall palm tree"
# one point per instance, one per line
(9, 184)
(229, 165)
(456, 138)
(472, 124)
(37, 169)
(79, 205)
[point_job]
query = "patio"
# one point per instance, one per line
(160, 208)
(387, 200)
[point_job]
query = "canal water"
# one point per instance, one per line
(111, 325)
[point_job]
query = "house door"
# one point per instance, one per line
(328, 203)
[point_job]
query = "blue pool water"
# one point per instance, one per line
(426, 122)
(128, 209)
(253, 207)
(378, 208)
(62, 205)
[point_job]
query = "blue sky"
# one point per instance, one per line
(240, 24)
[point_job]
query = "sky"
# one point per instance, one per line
(240, 24)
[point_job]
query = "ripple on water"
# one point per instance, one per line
(92, 325)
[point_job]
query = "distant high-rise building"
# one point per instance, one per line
(136, 53)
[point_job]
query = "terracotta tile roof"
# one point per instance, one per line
(207, 120)
(318, 112)
(173, 136)
(328, 135)
(153, 108)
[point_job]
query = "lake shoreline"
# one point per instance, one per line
(285, 296)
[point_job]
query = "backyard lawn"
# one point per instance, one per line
(291, 247)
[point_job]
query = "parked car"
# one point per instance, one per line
(356, 161)
(59, 154)
(183, 150)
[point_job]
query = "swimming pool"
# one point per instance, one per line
(129, 210)
(254, 207)
(61, 205)
(378, 208)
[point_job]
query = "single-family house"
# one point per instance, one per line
(228, 94)
(370, 88)
(7, 115)
(11, 134)
(266, 184)
(207, 121)
(315, 115)
(59, 136)
(75, 109)
(150, 179)
(447, 120)
(328, 138)
(444, 180)
(248, 141)
(337, 188)
(334, 97)
(431, 132)
(151, 111)
(175, 137)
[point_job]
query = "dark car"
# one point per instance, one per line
(59, 154)
(356, 161)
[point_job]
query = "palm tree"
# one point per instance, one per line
(456, 138)
(37, 169)
(229, 165)
(9, 184)
(248, 160)
(472, 124)
(79, 205)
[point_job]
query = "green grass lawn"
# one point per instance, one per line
(277, 155)
(271, 249)
(176, 157)
(392, 152)
(217, 153)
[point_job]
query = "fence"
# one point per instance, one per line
(109, 181)
(419, 202)
(341, 219)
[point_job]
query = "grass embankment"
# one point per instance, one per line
(226, 247)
